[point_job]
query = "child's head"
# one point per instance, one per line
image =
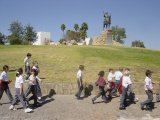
(110, 70)
(19, 72)
(81, 67)
(35, 63)
(126, 72)
(29, 55)
(148, 73)
(33, 72)
(101, 73)
(5, 68)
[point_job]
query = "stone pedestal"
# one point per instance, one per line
(104, 38)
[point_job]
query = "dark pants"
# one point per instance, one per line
(39, 93)
(101, 93)
(149, 100)
(20, 98)
(114, 91)
(27, 72)
(80, 88)
(33, 89)
(123, 97)
(8, 92)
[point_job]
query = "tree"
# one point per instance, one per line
(16, 30)
(63, 27)
(72, 35)
(118, 34)
(2, 39)
(138, 43)
(83, 30)
(30, 35)
(76, 27)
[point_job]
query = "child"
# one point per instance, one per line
(148, 89)
(32, 87)
(19, 92)
(79, 81)
(27, 65)
(36, 68)
(118, 74)
(101, 83)
(126, 88)
(111, 84)
(4, 83)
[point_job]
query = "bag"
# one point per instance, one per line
(119, 87)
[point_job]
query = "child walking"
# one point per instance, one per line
(27, 65)
(4, 83)
(111, 84)
(126, 88)
(32, 87)
(148, 89)
(79, 81)
(19, 96)
(118, 74)
(101, 84)
(36, 68)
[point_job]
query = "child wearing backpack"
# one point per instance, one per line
(19, 92)
(4, 81)
(101, 84)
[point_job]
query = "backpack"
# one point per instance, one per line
(120, 86)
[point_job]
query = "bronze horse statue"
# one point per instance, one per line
(107, 20)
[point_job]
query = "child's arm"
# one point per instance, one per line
(38, 78)
(148, 87)
(21, 88)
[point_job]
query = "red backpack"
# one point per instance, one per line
(120, 86)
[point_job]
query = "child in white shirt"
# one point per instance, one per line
(27, 65)
(126, 87)
(148, 87)
(79, 81)
(4, 83)
(19, 92)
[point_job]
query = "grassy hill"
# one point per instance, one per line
(60, 63)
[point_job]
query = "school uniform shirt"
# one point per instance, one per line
(32, 80)
(26, 61)
(19, 81)
(79, 74)
(118, 75)
(4, 76)
(148, 82)
(126, 80)
(101, 82)
(110, 76)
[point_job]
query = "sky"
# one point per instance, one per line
(140, 18)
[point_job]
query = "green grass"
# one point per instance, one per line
(60, 63)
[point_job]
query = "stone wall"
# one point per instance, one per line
(104, 38)
(66, 88)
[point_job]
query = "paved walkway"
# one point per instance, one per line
(67, 107)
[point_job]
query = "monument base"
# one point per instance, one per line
(105, 38)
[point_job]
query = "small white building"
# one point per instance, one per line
(43, 38)
(88, 41)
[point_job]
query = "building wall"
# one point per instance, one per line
(42, 38)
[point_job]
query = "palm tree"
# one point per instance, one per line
(84, 26)
(76, 27)
(63, 27)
